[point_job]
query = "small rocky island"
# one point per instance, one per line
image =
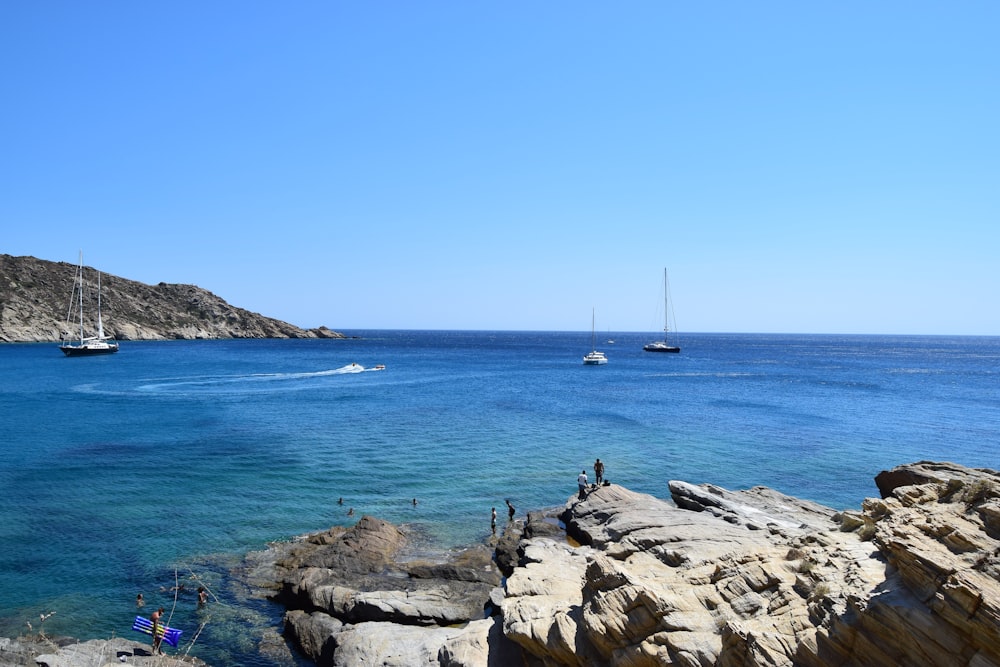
(34, 294)
(711, 577)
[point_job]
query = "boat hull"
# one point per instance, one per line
(88, 350)
(660, 347)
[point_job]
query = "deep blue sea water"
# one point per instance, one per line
(172, 459)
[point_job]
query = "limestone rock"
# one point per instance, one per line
(507, 552)
(314, 633)
(658, 583)
(709, 577)
(354, 592)
(481, 644)
(542, 608)
(758, 578)
(390, 645)
(931, 472)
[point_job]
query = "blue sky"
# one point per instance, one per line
(796, 166)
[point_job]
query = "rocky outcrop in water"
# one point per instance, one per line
(713, 577)
(358, 596)
(35, 295)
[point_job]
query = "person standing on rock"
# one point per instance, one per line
(493, 520)
(598, 472)
(581, 481)
(510, 510)
(157, 631)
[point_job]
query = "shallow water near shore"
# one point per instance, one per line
(163, 464)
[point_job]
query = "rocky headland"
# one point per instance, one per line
(713, 577)
(35, 294)
(709, 577)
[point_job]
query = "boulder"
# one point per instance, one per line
(390, 645)
(931, 472)
(355, 591)
(507, 553)
(313, 633)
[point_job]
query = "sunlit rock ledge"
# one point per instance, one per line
(715, 577)
(759, 578)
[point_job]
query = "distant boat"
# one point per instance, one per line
(594, 358)
(663, 345)
(86, 345)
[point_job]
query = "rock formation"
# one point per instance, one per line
(35, 294)
(50, 652)
(759, 578)
(715, 577)
(356, 597)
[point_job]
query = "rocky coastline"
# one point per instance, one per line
(34, 294)
(709, 577)
(715, 577)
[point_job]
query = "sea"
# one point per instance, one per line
(155, 470)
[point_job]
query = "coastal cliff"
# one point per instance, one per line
(716, 577)
(35, 293)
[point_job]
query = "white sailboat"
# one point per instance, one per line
(86, 345)
(663, 345)
(594, 358)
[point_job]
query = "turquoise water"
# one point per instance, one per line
(173, 458)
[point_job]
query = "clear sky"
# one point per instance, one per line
(796, 166)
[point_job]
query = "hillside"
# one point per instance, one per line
(35, 298)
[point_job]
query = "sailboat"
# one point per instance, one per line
(86, 345)
(663, 345)
(594, 358)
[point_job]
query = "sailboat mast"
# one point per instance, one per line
(593, 323)
(79, 278)
(666, 318)
(100, 323)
